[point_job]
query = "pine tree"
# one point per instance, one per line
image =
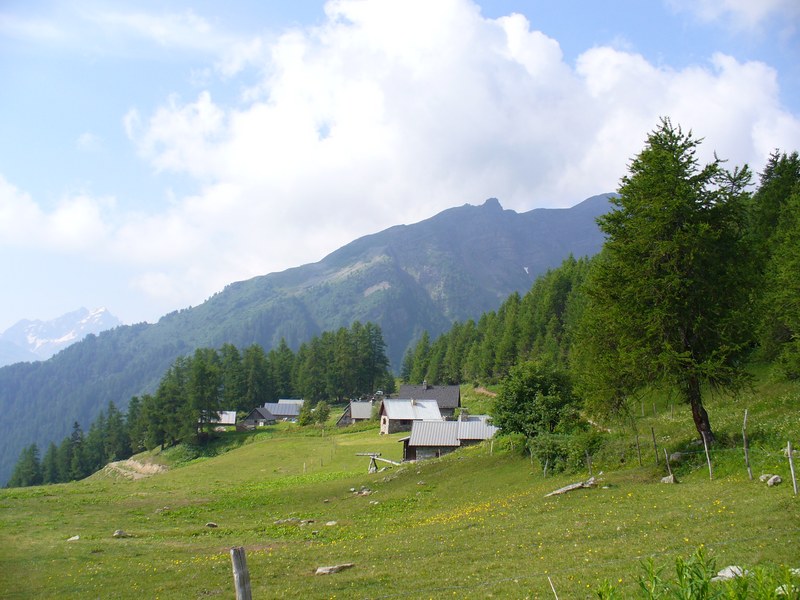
(673, 285)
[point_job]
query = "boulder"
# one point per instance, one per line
(669, 479)
(731, 572)
(765, 477)
(333, 569)
(774, 480)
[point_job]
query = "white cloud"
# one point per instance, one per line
(388, 113)
(742, 15)
(75, 224)
(392, 111)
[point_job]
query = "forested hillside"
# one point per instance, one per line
(697, 279)
(406, 279)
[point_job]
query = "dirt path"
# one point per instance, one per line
(133, 469)
(483, 390)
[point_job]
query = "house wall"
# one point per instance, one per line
(424, 452)
(394, 425)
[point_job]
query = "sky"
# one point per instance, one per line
(153, 152)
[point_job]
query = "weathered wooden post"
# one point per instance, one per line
(791, 467)
(241, 576)
(708, 456)
(655, 446)
(638, 450)
(746, 447)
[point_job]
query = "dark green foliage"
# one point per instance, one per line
(536, 399)
(28, 470)
(670, 296)
(538, 326)
(306, 416)
(779, 327)
(406, 279)
(322, 412)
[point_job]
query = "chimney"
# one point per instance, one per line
(425, 384)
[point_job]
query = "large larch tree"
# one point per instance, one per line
(670, 293)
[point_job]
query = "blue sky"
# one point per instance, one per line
(153, 152)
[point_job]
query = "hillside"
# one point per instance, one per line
(473, 524)
(409, 278)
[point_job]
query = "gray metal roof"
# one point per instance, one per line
(447, 396)
(450, 433)
(478, 429)
(360, 410)
(283, 410)
(434, 433)
(412, 410)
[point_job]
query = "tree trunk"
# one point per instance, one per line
(699, 413)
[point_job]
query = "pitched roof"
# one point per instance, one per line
(360, 410)
(447, 396)
(297, 401)
(260, 412)
(283, 410)
(449, 433)
(476, 429)
(411, 410)
(434, 433)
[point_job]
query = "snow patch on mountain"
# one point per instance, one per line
(29, 340)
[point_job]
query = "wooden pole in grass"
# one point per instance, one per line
(241, 576)
(746, 447)
(666, 460)
(655, 446)
(708, 456)
(552, 587)
(638, 450)
(791, 467)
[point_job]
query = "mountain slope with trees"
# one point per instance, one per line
(407, 279)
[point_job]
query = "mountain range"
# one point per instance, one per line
(407, 279)
(29, 340)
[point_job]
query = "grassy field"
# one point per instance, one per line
(473, 524)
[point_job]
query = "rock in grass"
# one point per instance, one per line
(74, 538)
(333, 569)
(669, 479)
(677, 457)
(765, 477)
(774, 480)
(731, 572)
(119, 533)
(211, 524)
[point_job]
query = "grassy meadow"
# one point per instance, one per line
(475, 523)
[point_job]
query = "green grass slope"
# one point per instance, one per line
(476, 523)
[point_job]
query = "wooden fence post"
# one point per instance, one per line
(638, 450)
(655, 446)
(666, 459)
(746, 447)
(708, 456)
(791, 467)
(241, 576)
